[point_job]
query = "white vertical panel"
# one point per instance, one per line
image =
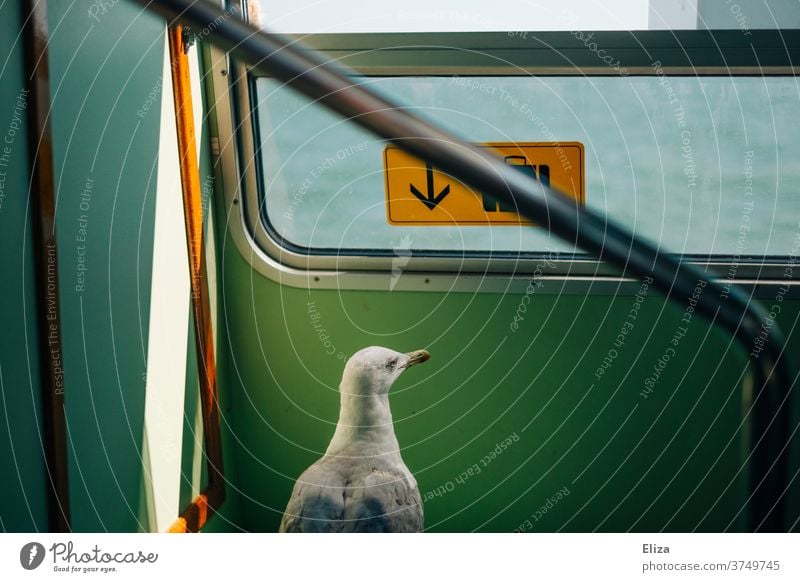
(169, 324)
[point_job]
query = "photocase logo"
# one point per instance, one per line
(31, 555)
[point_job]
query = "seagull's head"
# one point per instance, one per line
(373, 370)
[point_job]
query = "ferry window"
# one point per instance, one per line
(702, 165)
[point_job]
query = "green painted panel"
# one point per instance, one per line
(503, 429)
(229, 517)
(23, 505)
(106, 155)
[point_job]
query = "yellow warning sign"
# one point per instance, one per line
(420, 195)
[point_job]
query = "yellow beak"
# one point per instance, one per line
(417, 357)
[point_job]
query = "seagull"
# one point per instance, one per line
(361, 484)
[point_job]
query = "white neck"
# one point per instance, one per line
(365, 427)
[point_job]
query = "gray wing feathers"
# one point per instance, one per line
(353, 497)
(317, 502)
(384, 502)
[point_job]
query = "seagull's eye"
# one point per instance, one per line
(391, 365)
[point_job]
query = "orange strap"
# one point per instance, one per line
(194, 517)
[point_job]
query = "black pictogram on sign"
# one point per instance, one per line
(540, 173)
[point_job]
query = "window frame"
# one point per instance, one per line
(714, 53)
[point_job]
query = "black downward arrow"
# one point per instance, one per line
(431, 200)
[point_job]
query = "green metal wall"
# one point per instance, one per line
(23, 501)
(628, 463)
(101, 73)
(106, 151)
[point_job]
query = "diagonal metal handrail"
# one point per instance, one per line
(766, 402)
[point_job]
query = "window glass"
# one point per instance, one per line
(701, 165)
